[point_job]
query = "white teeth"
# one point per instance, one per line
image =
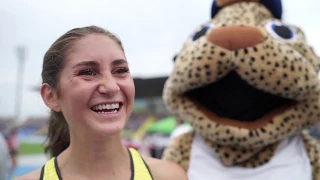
(110, 112)
(115, 106)
(100, 107)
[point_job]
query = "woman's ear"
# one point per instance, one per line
(49, 97)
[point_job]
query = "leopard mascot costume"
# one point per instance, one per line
(248, 84)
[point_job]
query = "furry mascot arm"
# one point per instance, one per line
(178, 150)
(313, 149)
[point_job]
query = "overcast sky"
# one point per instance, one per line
(152, 32)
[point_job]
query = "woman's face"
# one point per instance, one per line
(96, 90)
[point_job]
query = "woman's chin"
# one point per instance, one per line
(109, 130)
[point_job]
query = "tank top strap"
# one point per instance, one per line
(50, 171)
(140, 169)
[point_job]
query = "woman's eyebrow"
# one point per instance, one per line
(118, 62)
(86, 63)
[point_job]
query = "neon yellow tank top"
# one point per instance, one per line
(139, 169)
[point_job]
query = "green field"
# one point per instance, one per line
(30, 149)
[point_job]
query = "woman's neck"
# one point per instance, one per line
(89, 157)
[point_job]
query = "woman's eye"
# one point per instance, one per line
(87, 72)
(121, 71)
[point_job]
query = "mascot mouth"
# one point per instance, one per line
(233, 98)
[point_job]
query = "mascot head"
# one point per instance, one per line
(245, 79)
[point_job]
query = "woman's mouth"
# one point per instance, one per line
(107, 108)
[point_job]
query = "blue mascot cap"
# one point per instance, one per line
(274, 6)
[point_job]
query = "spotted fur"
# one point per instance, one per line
(179, 150)
(282, 67)
(313, 149)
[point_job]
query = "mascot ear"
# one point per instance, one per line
(175, 57)
(274, 6)
(214, 9)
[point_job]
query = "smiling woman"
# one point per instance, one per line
(88, 87)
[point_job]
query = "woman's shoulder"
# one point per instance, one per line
(34, 175)
(167, 170)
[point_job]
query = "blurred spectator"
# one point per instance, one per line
(11, 137)
(159, 143)
(4, 158)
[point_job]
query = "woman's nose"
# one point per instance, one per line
(108, 86)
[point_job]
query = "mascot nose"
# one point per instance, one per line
(235, 37)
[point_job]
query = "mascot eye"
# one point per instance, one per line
(202, 32)
(281, 31)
